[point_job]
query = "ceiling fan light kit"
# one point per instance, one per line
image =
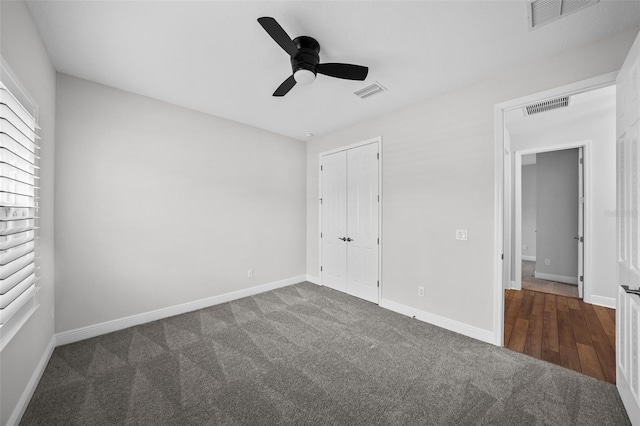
(305, 59)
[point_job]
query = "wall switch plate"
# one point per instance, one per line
(250, 273)
(420, 291)
(525, 247)
(547, 261)
(461, 234)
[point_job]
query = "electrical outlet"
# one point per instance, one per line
(525, 247)
(250, 273)
(547, 262)
(420, 291)
(461, 234)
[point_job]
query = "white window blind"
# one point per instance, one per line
(19, 192)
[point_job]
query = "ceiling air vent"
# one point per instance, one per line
(542, 12)
(370, 90)
(547, 105)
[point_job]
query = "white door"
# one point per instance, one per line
(628, 233)
(349, 233)
(580, 223)
(334, 221)
(362, 222)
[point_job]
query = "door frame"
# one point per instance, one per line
(586, 223)
(501, 186)
(376, 140)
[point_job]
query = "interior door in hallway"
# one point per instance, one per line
(350, 243)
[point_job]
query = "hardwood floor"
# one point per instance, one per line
(562, 330)
(530, 282)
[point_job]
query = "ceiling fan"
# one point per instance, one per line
(304, 52)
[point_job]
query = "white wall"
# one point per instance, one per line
(600, 130)
(557, 214)
(529, 177)
(25, 53)
(158, 205)
(438, 176)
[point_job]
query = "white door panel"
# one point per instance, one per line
(628, 235)
(580, 223)
(362, 222)
(334, 221)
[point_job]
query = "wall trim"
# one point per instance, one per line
(25, 398)
(90, 331)
(313, 279)
(446, 323)
(529, 258)
(607, 302)
(557, 278)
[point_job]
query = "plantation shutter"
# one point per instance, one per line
(18, 205)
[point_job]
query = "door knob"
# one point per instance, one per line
(349, 240)
(343, 239)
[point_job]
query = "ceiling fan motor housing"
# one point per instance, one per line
(308, 55)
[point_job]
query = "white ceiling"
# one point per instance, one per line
(214, 57)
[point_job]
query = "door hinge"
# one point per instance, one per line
(502, 256)
(377, 155)
(378, 198)
(321, 269)
(581, 278)
(321, 235)
(582, 239)
(581, 161)
(378, 283)
(320, 200)
(321, 167)
(378, 241)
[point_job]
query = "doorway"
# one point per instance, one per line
(549, 234)
(350, 220)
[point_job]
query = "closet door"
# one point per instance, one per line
(334, 221)
(362, 222)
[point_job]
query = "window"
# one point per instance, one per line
(19, 271)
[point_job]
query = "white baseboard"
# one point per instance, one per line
(25, 398)
(607, 302)
(90, 331)
(313, 279)
(557, 278)
(458, 327)
(529, 258)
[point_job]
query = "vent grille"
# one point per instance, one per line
(547, 105)
(371, 90)
(542, 12)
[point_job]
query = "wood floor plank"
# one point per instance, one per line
(508, 328)
(561, 303)
(569, 358)
(608, 324)
(580, 329)
(527, 305)
(565, 330)
(607, 357)
(551, 356)
(518, 335)
(589, 361)
(573, 303)
(508, 295)
(533, 344)
(514, 307)
(550, 328)
(593, 322)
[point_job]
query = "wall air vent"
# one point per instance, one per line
(371, 90)
(547, 105)
(542, 12)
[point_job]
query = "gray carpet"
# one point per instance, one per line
(304, 355)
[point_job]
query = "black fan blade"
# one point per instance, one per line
(284, 88)
(280, 36)
(346, 71)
